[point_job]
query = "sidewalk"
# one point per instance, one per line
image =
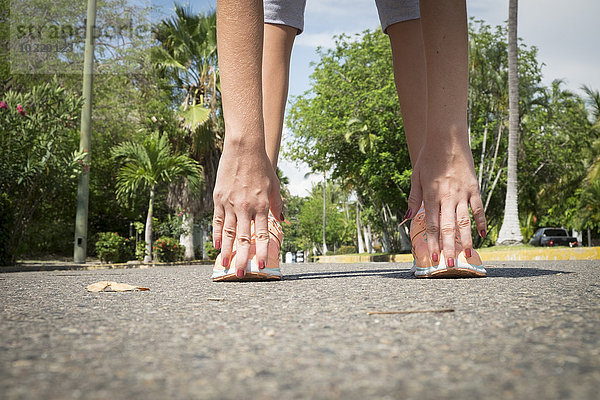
(524, 254)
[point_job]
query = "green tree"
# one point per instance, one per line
(349, 123)
(147, 165)
(556, 142)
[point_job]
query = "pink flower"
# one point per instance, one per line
(3, 105)
(20, 109)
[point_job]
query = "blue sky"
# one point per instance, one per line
(566, 34)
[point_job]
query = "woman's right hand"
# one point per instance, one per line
(246, 188)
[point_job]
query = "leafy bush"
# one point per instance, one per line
(140, 250)
(170, 226)
(167, 249)
(37, 163)
(346, 250)
(210, 250)
(111, 247)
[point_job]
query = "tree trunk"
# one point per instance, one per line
(324, 212)
(368, 242)
(203, 239)
(589, 235)
(482, 159)
(148, 232)
(385, 237)
(361, 243)
(187, 237)
(405, 243)
(510, 233)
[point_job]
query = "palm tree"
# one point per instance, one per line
(187, 55)
(590, 205)
(593, 101)
(145, 166)
(589, 213)
(510, 233)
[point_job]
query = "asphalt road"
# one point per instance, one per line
(528, 331)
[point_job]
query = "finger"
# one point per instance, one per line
(448, 231)
(261, 230)
(478, 214)
(415, 198)
(229, 230)
(218, 220)
(432, 227)
(463, 223)
(243, 243)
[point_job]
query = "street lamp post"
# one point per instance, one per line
(83, 186)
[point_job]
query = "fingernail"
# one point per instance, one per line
(468, 253)
(483, 233)
(451, 262)
(240, 273)
(434, 257)
(225, 261)
(281, 217)
(261, 265)
(408, 214)
(217, 244)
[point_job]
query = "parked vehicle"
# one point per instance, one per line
(553, 237)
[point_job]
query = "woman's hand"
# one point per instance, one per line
(246, 187)
(444, 179)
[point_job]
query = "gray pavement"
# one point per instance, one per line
(530, 330)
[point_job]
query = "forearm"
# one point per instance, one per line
(240, 43)
(444, 26)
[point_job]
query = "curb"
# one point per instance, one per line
(55, 266)
(580, 253)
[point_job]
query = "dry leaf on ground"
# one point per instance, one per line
(108, 286)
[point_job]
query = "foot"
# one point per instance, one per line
(253, 272)
(424, 267)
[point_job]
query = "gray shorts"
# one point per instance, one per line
(291, 12)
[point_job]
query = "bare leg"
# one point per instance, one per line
(277, 49)
(444, 174)
(411, 81)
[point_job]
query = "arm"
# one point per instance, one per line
(444, 174)
(246, 184)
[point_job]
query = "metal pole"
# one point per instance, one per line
(83, 187)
